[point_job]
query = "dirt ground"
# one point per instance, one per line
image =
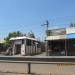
(36, 69)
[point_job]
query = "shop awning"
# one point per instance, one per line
(58, 37)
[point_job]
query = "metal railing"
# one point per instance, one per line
(38, 60)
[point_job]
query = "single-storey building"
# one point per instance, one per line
(25, 45)
(61, 42)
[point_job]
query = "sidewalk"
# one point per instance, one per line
(42, 54)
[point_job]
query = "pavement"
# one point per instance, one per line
(42, 54)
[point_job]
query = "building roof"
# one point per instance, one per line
(23, 37)
(2, 40)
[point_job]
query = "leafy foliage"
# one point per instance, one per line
(10, 35)
(31, 35)
(72, 25)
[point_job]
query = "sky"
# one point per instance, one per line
(29, 15)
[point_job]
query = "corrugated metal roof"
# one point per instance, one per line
(2, 40)
(23, 37)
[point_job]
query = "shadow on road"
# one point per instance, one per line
(36, 74)
(16, 73)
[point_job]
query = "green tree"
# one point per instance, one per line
(72, 25)
(10, 35)
(31, 35)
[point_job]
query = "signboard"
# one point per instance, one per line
(70, 36)
(56, 32)
(18, 42)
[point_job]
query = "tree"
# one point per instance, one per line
(10, 35)
(72, 25)
(31, 35)
(18, 33)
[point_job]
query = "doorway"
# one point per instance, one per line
(57, 47)
(18, 49)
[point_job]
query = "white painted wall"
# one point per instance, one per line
(56, 37)
(22, 49)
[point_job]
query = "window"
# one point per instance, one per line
(28, 42)
(22, 41)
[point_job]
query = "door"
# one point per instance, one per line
(18, 49)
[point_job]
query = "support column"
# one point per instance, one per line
(22, 49)
(46, 47)
(36, 48)
(25, 42)
(13, 50)
(49, 48)
(65, 47)
(31, 49)
(29, 68)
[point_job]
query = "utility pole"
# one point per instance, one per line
(46, 25)
(46, 29)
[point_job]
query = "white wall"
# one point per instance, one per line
(56, 37)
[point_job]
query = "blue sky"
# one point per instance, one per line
(28, 15)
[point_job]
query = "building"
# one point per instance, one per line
(61, 42)
(25, 46)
